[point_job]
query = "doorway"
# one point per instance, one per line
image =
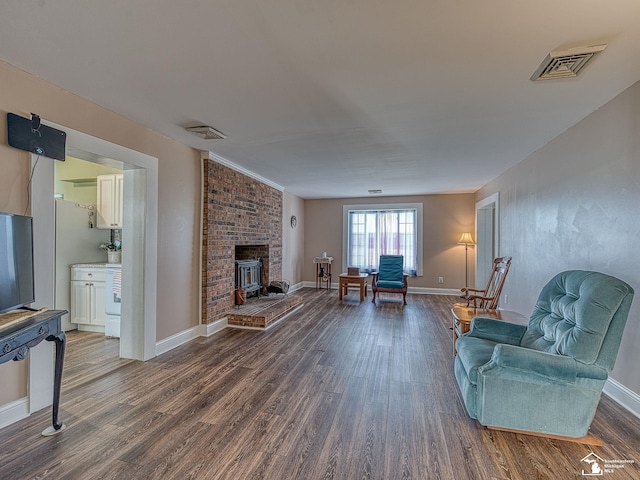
(487, 237)
(139, 272)
(80, 240)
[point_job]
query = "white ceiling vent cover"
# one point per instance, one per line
(566, 63)
(206, 132)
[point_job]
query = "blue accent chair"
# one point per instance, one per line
(546, 378)
(390, 277)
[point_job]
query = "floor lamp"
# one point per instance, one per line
(466, 240)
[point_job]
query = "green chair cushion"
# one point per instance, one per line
(390, 284)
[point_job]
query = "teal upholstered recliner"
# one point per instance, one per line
(390, 277)
(546, 377)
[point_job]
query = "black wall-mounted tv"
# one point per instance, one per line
(34, 137)
(16, 262)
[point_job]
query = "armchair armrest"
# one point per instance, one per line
(497, 331)
(556, 368)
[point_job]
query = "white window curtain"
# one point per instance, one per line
(372, 233)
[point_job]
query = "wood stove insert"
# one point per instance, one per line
(249, 276)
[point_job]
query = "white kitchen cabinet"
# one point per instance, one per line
(87, 298)
(109, 201)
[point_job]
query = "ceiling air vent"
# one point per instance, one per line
(206, 132)
(566, 63)
(375, 192)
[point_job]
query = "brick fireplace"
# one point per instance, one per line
(242, 218)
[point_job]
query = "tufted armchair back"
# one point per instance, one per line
(582, 315)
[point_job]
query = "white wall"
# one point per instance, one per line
(573, 204)
(445, 218)
(178, 223)
(292, 238)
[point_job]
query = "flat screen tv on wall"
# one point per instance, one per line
(16, 261)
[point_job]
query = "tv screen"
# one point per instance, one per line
(16, 261)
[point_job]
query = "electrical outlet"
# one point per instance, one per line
(440, 280)
(506, 299)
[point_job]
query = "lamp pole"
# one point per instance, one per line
(466, 265)
(466, 239)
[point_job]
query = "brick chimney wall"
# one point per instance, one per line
(238, 210)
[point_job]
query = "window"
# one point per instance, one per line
(374, 230)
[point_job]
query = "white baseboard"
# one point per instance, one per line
(433, 291)
(213, 327)
(623, 396)
(14, 411)
(163, 346)
(297, 286)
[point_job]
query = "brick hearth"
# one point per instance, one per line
(238, 210)
(261, 313)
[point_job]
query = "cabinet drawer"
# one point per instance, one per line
(88, 274)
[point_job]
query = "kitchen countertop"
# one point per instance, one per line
(89, 265)
(96, 265)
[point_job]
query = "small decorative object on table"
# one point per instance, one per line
(113, 251)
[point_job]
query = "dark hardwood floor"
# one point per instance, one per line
(343, 390)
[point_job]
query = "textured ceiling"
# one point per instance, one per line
(331, 98)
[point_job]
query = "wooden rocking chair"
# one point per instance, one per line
(490, 296)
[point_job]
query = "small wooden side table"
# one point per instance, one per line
(462, 317)
(359, 281)
(323, 272)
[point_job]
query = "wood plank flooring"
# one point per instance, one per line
(342, 390)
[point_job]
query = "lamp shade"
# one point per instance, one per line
(466, 239)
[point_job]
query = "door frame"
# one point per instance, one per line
(139, 257)
(487, 238)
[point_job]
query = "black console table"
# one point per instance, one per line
(18, 335)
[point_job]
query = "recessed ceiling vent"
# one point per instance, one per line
(566, 63)
(206, 132)
(376, 191)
